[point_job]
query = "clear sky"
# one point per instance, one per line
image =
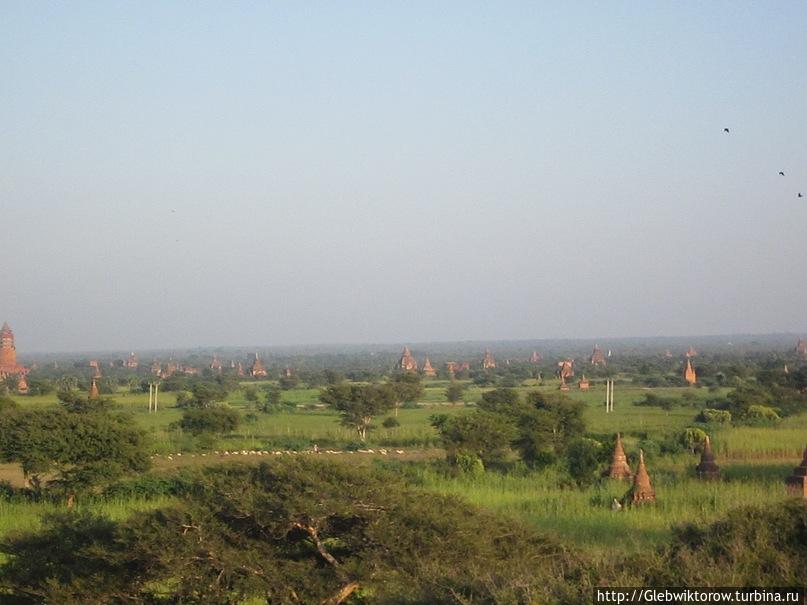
(237, 173)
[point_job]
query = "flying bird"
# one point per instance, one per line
(781, 173)
(725, 130)
(800, 195)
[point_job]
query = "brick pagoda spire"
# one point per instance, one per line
(94, 393)
(257, 370)
(620, 469)
(797, 482)
(707, 469)
(597, 357)
(689, 373)
(641, 492)
(488, 363)
(8, 354)
(428, 370)
(407, 362)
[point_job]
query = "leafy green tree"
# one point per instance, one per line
(504, 400)
(80, 403)
(204, 394)
(292, 532)
(583, 460)
(273, 395)
(483, 434)
(407, 388)
(251, 394)
(287, 383)
(454, 392)
(358, 405)
(79, 450)
(547, 426)
(40, 386)
(214, 419)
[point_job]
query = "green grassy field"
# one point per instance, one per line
(754, 461)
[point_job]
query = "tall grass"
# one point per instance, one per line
(584, 516)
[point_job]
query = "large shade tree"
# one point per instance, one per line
(291, 532)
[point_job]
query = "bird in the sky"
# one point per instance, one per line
(725, 130)
(781, 173)
(800, 195)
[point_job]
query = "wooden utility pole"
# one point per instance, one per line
(609, 395)
(153, 390)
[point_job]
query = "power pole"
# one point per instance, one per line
(153, 390)
(609, 395)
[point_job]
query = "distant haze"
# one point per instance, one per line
(182, 174)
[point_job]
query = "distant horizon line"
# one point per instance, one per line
(418, 344)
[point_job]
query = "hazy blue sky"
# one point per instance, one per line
(235, 173)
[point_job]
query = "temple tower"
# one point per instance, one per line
(407, 362)
(642, 491)
(428, 370)
(8, 352)
(707, 469)
(94, 393)
(800, 350)
(535, 357)
(257, 370)
(691, 352)
(597, 357)
(131, 361)
(689, 373)
(619, 469)
(488, 363)
(583, 383)
(797, 482)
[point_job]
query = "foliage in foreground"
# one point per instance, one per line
(297, 531)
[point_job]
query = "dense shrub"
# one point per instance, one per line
(219, 419)
(711, 415)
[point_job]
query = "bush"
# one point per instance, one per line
(390, 422)
(468, 464)
(653, 400)
(711, 415)
(763, 413)
(218, 419)
(692, 439)
(582, 460)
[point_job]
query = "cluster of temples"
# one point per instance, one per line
(408, 363)
(256, 369)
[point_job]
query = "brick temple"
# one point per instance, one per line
(488, 362)
(428, 370)
(801, 348)
(257, 370)
(8, 360)
(597, 357)
(689, 373)
(535, 357)
(407, 362)
(707, 469)
(619, 469)
(642, 491)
